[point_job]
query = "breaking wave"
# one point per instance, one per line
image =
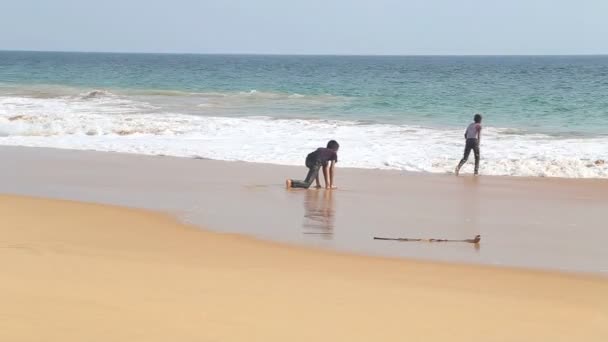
(106, 121)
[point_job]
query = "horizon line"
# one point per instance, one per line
(307, 54)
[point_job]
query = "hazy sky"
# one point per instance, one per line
(308, 26)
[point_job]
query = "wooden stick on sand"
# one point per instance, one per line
(476, 240)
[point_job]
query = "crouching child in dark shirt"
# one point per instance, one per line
(323, 157)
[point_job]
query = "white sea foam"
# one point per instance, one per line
(107, 122)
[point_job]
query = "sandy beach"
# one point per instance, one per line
(153, 157)
(73, 272)
(538, 223)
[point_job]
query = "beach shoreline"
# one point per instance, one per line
(548, 224)
(397, 113)
(87, 271)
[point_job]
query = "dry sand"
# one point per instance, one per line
(82, 272)
(541, 223)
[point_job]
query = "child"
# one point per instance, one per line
(473, 138)
(314, 161)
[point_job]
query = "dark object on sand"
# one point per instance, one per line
(600, 162)
(476, 240)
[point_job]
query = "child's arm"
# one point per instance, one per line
(479, 134)
(326, 176)
(331, 175)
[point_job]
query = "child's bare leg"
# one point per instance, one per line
(317, 182)
(288, 183)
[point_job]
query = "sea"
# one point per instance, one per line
(543, 116)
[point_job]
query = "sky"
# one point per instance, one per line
(362, 27)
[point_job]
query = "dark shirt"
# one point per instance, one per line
(322, 155)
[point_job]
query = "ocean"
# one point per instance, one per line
(544, 116)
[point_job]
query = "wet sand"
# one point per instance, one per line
(556, 224)
(84, 272)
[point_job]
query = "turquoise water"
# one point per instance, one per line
(543, 116)
(555, 95)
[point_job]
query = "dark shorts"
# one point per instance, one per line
(471, 144)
